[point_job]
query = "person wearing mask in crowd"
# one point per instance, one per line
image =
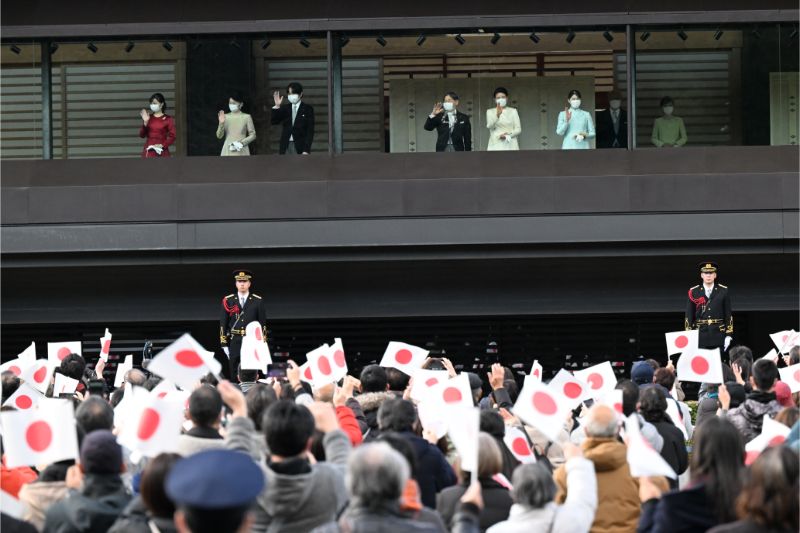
(99, 496)
(205, 413)
(668, 130)
(534, 492)
(496, 496)
(653, 407)
(296, 120)
(612, 124)
(453, 129)
(236, 128)
(716, 470)
(151, 510)
(575, 124)
(749, 417)
(158, 128)
(503, 123)
(214, 491)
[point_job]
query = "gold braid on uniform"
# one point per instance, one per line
(729, 329)
(686, 324)
(223, 340)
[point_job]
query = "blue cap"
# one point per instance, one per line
(642, 373)
(215, 479)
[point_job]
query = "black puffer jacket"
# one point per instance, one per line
(749, 417)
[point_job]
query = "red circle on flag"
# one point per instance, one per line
(618, 407)
(797, 375)
(681, 341)
(520, 447)
(451, 395)
(750, 457)
(148, 424)
(536, 373)
(432, 381)
(24, 401)
(189, 358)
(572, 390)
(403, 356)
(324, 365)
(307, 373)
(15, 370)
(595, 380)
(106, 346)
(338, 358)
(258, 334)
(785, 338)
(39, 435)
(40, 375)
(699, 365)
(258, 357)
(776, 440)
(544, 403)
(161, 394)
(63, 352)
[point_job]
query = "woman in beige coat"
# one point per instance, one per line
(503, 123)
(236, 127)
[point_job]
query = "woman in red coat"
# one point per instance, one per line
(158, 128)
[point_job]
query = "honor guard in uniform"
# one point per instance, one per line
(238, 310)
(708, 310)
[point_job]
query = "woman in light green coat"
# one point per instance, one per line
(236, 128)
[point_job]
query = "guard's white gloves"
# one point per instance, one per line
(227, 351)
(728, 340)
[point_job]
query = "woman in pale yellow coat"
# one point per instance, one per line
(503, 123)
(237, 129)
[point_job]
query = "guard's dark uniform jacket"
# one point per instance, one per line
(234, 319)
(711, 316)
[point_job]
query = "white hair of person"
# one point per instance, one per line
(601, 422)
(376, 475)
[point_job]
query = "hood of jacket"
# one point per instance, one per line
(371, 401)
(606, 454)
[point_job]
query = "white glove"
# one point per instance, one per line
(155, 148)
(227, 351)
(579, 137)
(728, 340)
(237, 146)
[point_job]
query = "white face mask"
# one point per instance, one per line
(449, 106)
(293, 98)
(575, 104)
(155, 107)
(502, 102)
(667, 109)
(614, 104)
(233, 107)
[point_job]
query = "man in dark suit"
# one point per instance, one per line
(453, 127)
(612, 124)
(238, 310)
(297, 119)
(708, 309)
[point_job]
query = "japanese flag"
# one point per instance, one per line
(24, 398)
(681, 341)
(163, 388)
(184, 362)
(15, 366)
(254, 354)
(56, 351)
(28, 354)
(404, 357)
(105, 345)
(542, 407)
(571, 388)
(600, 378)
(704, 366)
(254, 330)
(155, 425)
(122, 369)
(64, 385)
(426, 381)
(40, 436)
(320, 362)
(772, 355)
(536, 370)
(455, 392)
(613, 399)
(772, 434)
(306, 374)
(785, 340)
(643, 460)
(464, 435)
(433, 417)
(337, 357)
(516, 441)
(791, 376)
(38, 375)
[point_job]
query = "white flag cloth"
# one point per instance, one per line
(572, 389)
(536, 370)
(155, 425)
(40, 436)
(677, 418)
(254, 354)
(253, 329)
(184, 362)
(704, 366)
(105, 345)
(338, 360)
(516, 441)
(38, 375)
(464, 435)
(772, 355)
(681, 341)
(542, 407)
(772, 434)
(613, 399)
(600, 378)
(791, 376)
(643, 460)
(433, 417)
(24, 398)
(56, 351)
(122, 369)
(404, 357)
(15, 366)
(321, 364)
(306, 374)
(64, 385)
(785, 340)
(426, 381)
(455, 392)
(11, 505)
(28, 354)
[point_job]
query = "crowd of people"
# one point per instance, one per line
(352, 456)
